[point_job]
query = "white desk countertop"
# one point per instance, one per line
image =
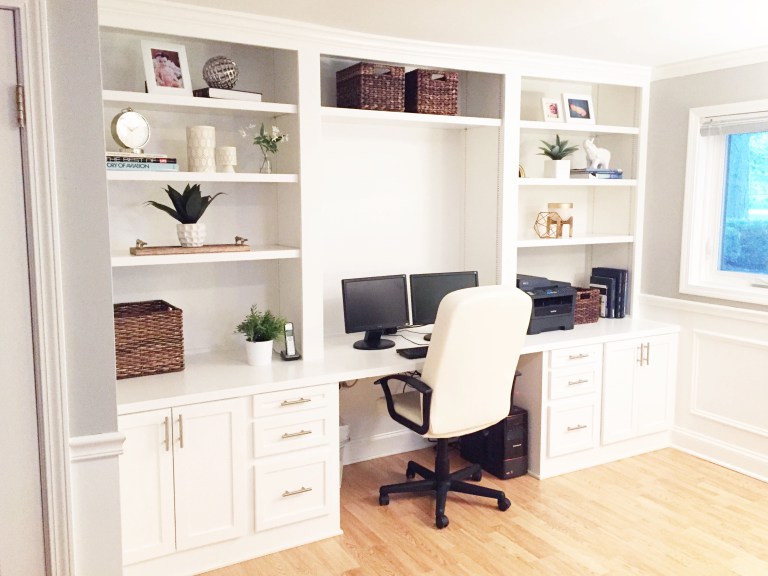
(226, 374)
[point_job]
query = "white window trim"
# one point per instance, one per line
(702, 225)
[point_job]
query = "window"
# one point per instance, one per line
(725, 234)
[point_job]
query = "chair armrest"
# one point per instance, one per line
(421, 387)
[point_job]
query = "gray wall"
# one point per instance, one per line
(81, 190)
(667, 145)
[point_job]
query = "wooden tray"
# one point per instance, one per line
(162, 250)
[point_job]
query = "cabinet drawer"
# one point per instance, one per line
(572, 428)
(290, 401)
(280, 434)
(575, 356)
(291, 489)
(567, 382)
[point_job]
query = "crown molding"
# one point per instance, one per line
(160, 16)
(710, 64)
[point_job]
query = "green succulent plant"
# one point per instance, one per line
(261, 326)
(558, 150)
(188, 207)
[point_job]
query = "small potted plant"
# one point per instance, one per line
(260, 330)
(188, 208)
(557, 166)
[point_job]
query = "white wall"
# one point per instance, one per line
(723, 354)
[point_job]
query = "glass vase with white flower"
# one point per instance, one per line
(266, 140)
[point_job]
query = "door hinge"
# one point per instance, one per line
(21, 114)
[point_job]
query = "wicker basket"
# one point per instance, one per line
(370, 86)
(148, 338)
(587, 306)
(432, 92)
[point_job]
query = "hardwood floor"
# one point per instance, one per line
(663, 513)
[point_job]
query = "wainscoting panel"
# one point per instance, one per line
(730, 380)
(722, 384)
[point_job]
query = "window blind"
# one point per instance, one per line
(734, 124)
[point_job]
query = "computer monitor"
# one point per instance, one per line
(427, 290)
(373, 305)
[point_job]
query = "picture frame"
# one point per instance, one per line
(166, 68)
(551, 107)
(578, 108)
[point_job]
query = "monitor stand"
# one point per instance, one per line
(374, 341)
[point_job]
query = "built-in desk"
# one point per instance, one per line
(225, 461)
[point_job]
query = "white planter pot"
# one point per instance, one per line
(259, 353)
(191, 234)
(560, 169)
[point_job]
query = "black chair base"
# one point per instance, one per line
(441, 481)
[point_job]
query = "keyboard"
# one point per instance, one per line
(413, 352)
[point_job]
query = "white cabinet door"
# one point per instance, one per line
(637, 379)
(654, 383)
(210, 456)
(146, 485)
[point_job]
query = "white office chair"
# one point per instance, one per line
(465, 385)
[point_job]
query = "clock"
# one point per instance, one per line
(130, 130)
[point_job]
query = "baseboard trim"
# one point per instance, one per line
(729, 456)
(383, 445)
(96, 446)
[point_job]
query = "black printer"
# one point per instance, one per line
(554, 303)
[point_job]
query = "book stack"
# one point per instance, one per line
(597, 173)
(128, 161)
(227, 94)
(613, 284)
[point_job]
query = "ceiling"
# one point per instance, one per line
(643, 32)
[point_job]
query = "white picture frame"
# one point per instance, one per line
(552, 109)
(166, 69)
(578, 108)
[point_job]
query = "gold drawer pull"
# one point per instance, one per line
(575, 382)
(577, 356)
(292, 402)
(299, 491)
(574, 428)
(294, 434)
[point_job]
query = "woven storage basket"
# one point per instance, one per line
(370, 86)
(148, 338)
(587, 306)
(432, 92)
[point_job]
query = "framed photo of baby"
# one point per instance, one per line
(578, 108)
(166, 68)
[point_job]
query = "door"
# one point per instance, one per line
(209, 459)
(620, 361)
(22, 551)
(146, 485)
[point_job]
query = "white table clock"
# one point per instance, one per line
(130, 130)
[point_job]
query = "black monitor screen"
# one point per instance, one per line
(372, 305)
(427, 290)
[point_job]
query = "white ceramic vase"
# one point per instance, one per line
(191, 235)
(226, 158)
(259, 353)
(201, 148)
(560, 169)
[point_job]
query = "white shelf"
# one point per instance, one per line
(406, 118)
(272, 252)
(163, 176)
(575, 127)
(165, 102)
(576, 241)
(551, 182)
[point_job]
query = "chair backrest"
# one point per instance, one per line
(472, 358)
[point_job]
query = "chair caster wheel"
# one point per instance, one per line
(409, 473)
(383, 499)
(441, 521)
(504, 504)
(477, 476)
